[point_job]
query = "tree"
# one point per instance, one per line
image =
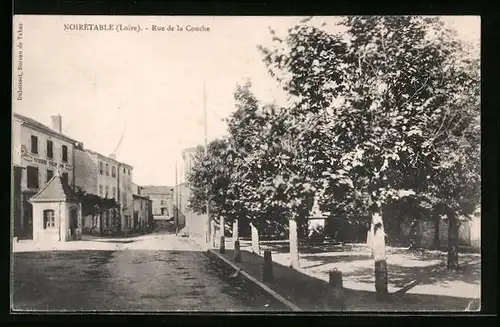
(94, 205)
(371, 98)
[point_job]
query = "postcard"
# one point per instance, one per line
(246, 163)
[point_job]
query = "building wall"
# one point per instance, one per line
(60, 231)
(86, 171)
(469, 233)
(141, 206)
(190, 222)
(41, 161)
(158, 205)
(90, 178)
(16, 200)
(126, 192)
(188, 156)
(105, 180)
(16, 142)
(23, 156)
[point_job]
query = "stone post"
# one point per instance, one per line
(336, 290)
(255, 239)
(267, 267)
(235, 230)
(222, 228)
(237, 251)
(294, 245)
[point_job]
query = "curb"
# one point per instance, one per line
(263, 286)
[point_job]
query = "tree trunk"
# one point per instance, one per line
(207, 231)
(255, 239)
(414, 234)
(100, 223)
(437, 243)
(452, 241)
(213, 233)
(294, 244)
(222, 228)
(379, 257)
(235, 230)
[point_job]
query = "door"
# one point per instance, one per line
(136, 219)
(27, 223)
(73, 223)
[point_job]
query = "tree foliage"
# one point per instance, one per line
(384, 113)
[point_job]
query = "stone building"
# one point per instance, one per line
(38, 152)
(143, 215)
(109, 179)
(162, 198)
(56, 212)
(188, 160)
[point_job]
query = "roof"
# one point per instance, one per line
(137, 196)
(155, 189)
(119, 163)
(54, 191)
(37, 125)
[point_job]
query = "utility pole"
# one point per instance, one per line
(208, 224)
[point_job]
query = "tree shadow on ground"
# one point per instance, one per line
(435, 274)
(401, 272)
(313, 294)
(319, 260)
(308, 248)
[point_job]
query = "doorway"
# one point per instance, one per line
(73, 223)
(27, 220)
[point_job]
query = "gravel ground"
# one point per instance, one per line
(131, 279)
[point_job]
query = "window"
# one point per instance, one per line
(107, 170)
(114, 192)
(32, 174)
(113, 171)
(124, 170)
(101, 168)
(34, 144)
(50, 173)
(64, 153)
(128, 172)
(64, 178)
(50, 149)
(162, 202)
(48, 219)
(100, 191)
(106, 195)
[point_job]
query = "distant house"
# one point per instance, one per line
(142, 212)
(162, 201)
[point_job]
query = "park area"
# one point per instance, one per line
(418, 279)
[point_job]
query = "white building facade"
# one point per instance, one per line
(107, 178)
(38, 153)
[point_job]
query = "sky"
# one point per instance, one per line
(148, 85)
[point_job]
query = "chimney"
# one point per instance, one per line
(112, 156)
(57, 123)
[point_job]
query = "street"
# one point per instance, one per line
(133, 278)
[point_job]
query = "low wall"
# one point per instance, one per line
(469, 233)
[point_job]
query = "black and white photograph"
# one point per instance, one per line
(245, 164)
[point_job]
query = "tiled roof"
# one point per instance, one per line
(40, 126)
(138, 196)
(153, 189)
(54, 190)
